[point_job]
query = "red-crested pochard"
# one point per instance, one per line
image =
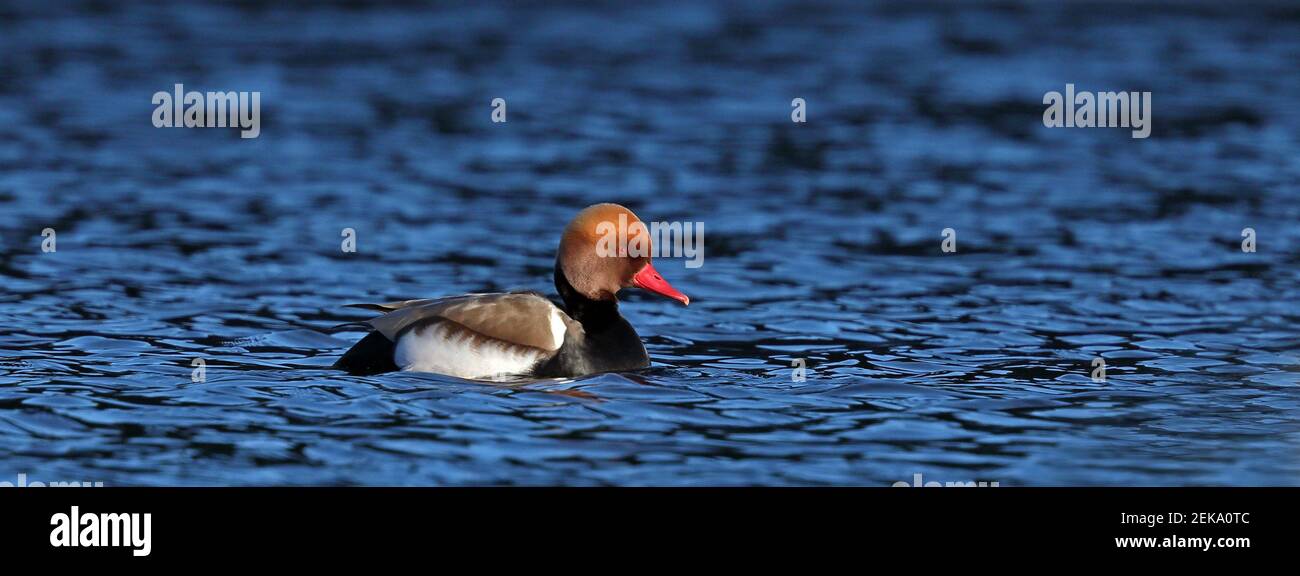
(522, 334)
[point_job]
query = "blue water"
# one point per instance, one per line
(822, 242)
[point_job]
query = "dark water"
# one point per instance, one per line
(822, 242)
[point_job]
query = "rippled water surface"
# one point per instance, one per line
(822, 242)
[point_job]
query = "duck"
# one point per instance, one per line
(524, 335)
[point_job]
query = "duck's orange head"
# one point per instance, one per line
(606, 248)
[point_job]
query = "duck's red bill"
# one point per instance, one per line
(649, 279)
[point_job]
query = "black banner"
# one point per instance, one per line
(160, 526)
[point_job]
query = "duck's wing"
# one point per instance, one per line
(387, 306)
(516, 318)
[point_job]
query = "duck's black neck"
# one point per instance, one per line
(595, 315)
(606, 343)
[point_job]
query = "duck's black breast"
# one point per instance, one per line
(604, 341)
(614, 347)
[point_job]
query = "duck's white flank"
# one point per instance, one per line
(447, 348)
